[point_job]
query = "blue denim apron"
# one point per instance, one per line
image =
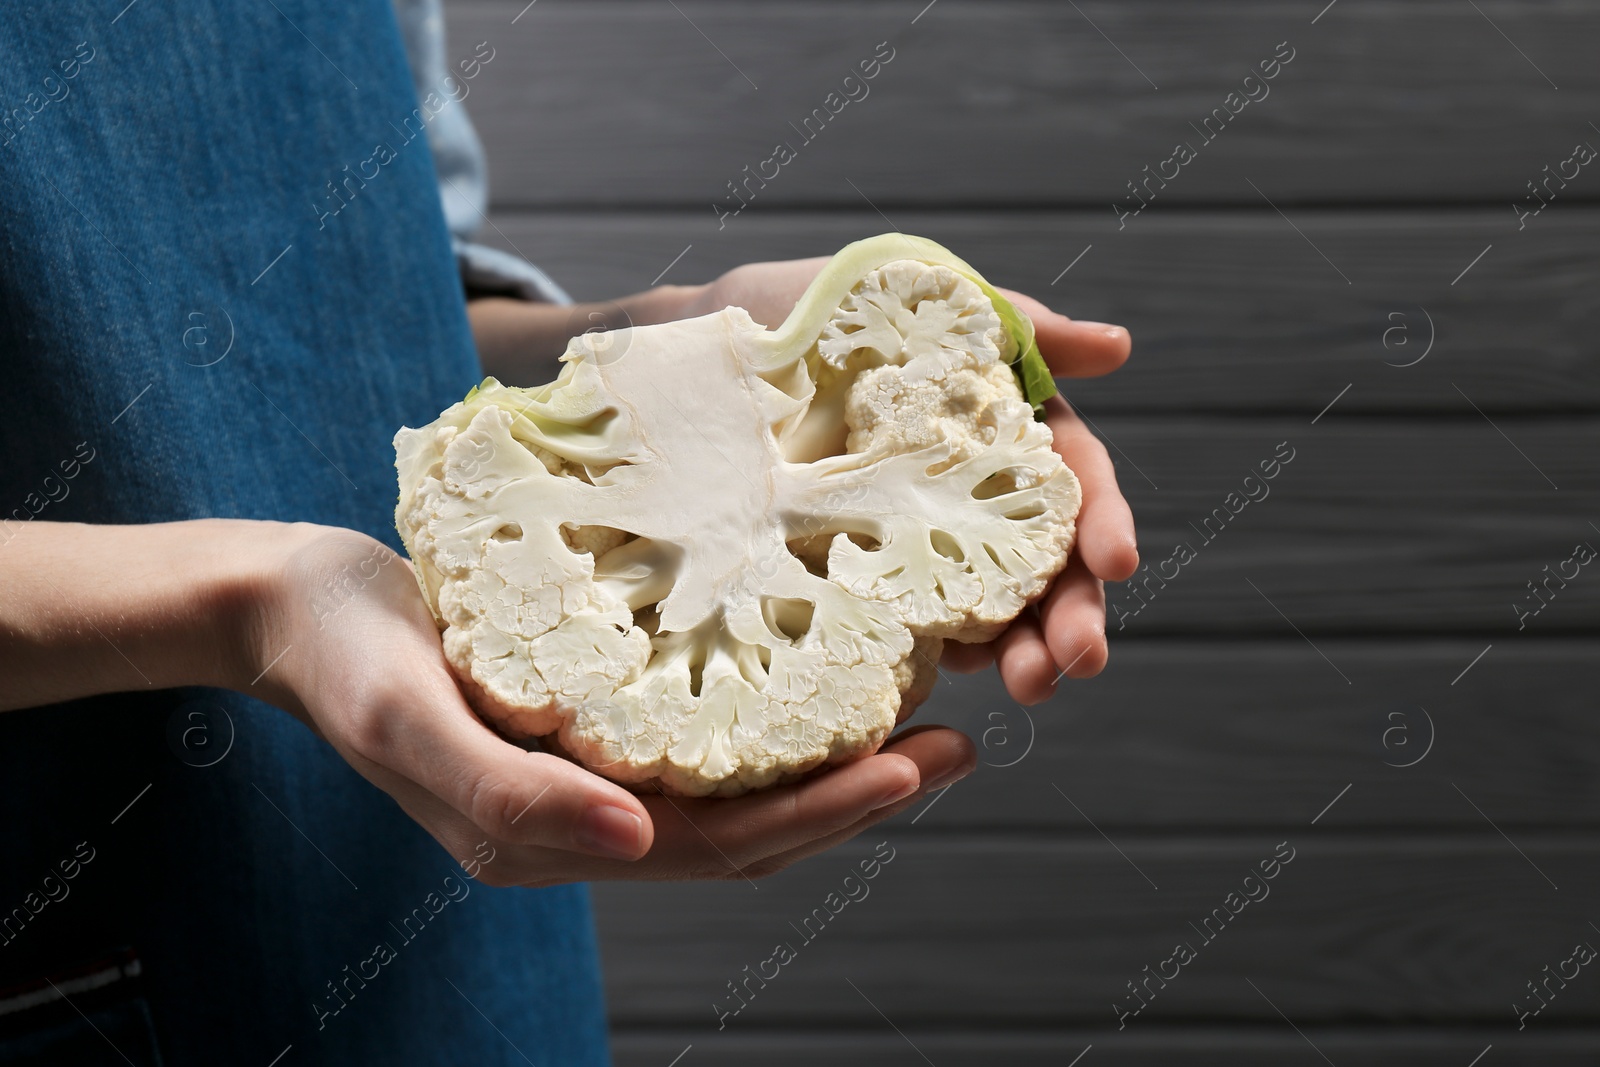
(224, 282)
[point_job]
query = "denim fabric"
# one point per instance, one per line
(225, 281)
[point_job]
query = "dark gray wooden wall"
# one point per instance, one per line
(1324, 638)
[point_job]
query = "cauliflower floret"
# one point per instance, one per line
(903, 410)
(910, 308)
(595, 540)
(949, 394)
(631, 562)
(918, 673)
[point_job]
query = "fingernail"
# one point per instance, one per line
(898, 793)
(1104, 327)
(950, 779)
(609, 831)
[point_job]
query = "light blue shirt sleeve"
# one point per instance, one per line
(463, 170)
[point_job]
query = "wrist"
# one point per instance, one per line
(247, 600)
(519, 342)
(223, 623)
(276, 610)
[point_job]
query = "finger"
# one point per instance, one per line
(822, 844)
(1073, 618)
(1074, 348)
(751, 829)
(1025, 663)
(1106, 539)
(430, 737)
(717, 838)
(941, 754)
(967, 659)
(721, 836)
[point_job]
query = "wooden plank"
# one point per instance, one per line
(1183, 736)
(636, 103)
(1006, 931)
(1377, 525)
(1230, 310)
(1175, 1046)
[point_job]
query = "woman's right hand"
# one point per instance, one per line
(343, 639)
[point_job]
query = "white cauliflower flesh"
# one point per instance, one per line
(710, 557)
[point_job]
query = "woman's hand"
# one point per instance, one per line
(1065, 632)
(354, 652)
(329, 625)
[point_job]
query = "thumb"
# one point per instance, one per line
(514, 796)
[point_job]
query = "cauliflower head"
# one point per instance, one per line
(710, 557)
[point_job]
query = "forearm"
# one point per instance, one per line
(99, 609)
(519, 342)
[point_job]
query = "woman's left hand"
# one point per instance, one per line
(1064, 634)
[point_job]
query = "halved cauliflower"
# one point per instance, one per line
(711, 557)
